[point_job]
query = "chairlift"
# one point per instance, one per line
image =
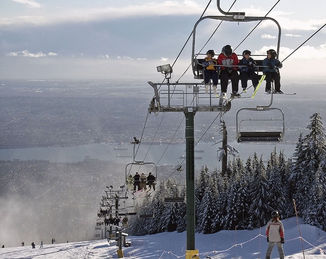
(258, 133)
(237, 17)
(148, 167)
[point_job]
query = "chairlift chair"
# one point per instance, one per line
(260, 135)
(197, 61)
(129, 166)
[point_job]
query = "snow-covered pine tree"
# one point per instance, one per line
(238, 204)
(221, 198)
(200, 188)
(276, 190)
(259, 210)
(208, 210)
(314, 214)
(314, 150)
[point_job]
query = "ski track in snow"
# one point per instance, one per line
(242, 244)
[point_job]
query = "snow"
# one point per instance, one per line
(242, 244)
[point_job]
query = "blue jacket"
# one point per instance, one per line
(271, 65)
(247, 66)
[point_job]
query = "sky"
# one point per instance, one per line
(127, 39)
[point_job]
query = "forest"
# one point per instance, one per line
(245, 195)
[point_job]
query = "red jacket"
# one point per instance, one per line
(228, 61)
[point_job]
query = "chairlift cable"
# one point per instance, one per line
(218, 26)
(184, 45)
(152, 141)
(142, 134)
(170, 142)
(256, 25)
(304, 42)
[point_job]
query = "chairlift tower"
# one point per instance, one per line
(190, 99)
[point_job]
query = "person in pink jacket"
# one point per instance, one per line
(275, 235)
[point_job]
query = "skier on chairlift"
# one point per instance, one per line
(229, 61)
(275, 235)
(151, 181)
(137, 181)
(247, 70)
(271, 70)
(210, 70)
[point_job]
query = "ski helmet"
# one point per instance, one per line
(227, 50)
(272, 52)
(275, 214)
(210, 52)
(245, 52)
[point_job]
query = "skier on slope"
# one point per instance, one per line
(275, 235)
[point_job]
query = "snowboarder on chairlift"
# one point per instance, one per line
(229, 61)
(137, 181)
(271, 70)
(275, 235)
(210, 70)
(247, 70)
(151, 181)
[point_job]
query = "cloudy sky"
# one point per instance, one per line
(106, 39)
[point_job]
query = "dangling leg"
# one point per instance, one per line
(206, 80)
(277, 80)
(268, 82)
(215, 80)
(234, 76)
(224, 81)
(254, 79)
(244, 79)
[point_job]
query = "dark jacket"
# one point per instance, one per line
(151, 178)
(271, 65)
(247, 65)
(136, 178)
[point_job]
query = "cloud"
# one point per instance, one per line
(52, 54)
(267, 36)
(305, 52)
(164, 8)
(164, 59)
(292, 35)
(26, 53)
(29, 3)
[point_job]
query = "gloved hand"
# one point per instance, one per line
(267, 239)
(205, 64)
(282, 240)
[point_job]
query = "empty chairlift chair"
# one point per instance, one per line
(266, 127)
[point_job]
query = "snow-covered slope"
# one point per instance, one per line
(224, 244)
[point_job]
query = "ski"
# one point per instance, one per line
(258, 86)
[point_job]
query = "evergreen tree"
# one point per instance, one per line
(208, 211)
(238, 204)
(259, 208)
(314, 150)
